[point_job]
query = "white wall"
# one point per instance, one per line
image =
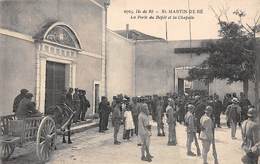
(120, 70)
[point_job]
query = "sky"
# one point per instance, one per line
(203, 26)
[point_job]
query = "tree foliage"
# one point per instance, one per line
(231, 57)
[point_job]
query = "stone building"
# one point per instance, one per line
(50, 45)
(149, 65)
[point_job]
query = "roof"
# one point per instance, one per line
(137, 35)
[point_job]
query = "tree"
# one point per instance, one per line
(231, 57)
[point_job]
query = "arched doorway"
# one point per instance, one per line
(57, 49)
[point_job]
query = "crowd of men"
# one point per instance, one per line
(200, 115)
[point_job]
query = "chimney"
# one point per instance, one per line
(127, 31)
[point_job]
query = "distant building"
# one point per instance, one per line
(148, 65)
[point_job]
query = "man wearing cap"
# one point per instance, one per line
(206, 134)
(189, 120)
(171, 120)
(233, 114)
(18, 98)
(84, 105)
(218, 108)
(144, 133)
(250, 137)
(26, 107)
(116, 120)
(103, 109)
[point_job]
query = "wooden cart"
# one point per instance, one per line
(42, 130)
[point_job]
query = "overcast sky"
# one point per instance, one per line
(203, 26)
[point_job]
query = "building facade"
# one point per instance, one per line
(157, 66)
(47, 46)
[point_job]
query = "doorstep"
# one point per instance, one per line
(84, 125)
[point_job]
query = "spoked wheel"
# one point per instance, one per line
(46, 136)
(7, 150)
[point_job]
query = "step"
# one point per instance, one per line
(83, 126)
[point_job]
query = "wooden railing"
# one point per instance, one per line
(5, 124)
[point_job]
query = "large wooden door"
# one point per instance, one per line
(55, 82)
(180, 86)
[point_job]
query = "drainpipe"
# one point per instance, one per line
(106, 4)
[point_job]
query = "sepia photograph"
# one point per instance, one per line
(130, 81)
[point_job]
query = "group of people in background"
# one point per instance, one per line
(78, 102)
(24, 107)
(200, 114)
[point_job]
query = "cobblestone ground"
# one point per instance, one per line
(91, 147)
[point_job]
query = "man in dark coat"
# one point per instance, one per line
(199, 112)
(84, 105)
(69, 98)
(76, 105)
(244, 103)
(104, 110)
(26, 108)
(18, 98)
(218, 108)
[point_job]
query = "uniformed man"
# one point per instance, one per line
(135, 113)
(84, 105)
(171, 120)
(233, 114)
(190, 129)
(18, 98)
(250, 137)
(159, 116)
(206, 134)
(26, 107)
(218, 108)
(116, 120)
(144, 133)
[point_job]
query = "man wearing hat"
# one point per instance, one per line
(171, 120)
(189, 120)
(206, 134)
(233, 114)
(250, 137)
(26, 107)
(18, 98)
(116, 120)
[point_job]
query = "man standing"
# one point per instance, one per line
(244, 104)
(76, 105)
(135, 113)
(103, 109)
(233, 114)
(69, 98)
(250, 138)
(218, 107)
(144, 133)
(171, 120)
(26, 107)
(18, 98)
(159, 115)
(206, 134)
(189, 120)
(116, 120)
(84, 105)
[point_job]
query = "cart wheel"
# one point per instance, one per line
(7, 150)
(46, 136)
